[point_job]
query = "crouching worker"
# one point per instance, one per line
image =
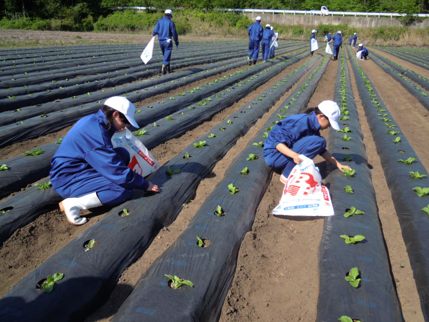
(362, 52)
(87, 171)
(300, 134)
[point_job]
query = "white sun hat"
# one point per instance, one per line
(332, 111)
(258, 18)
(360, 45)
(339, 32)
(313, 31)
(168, 12)
(123, 105)
(268, 25)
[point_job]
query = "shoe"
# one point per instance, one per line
(163, 69)
(254, 62)
(72, 207)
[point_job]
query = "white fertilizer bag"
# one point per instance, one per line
(148, 51)
(328, 49)
(141, 160)
(313, 44)
(304, 195)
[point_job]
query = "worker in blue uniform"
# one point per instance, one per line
(362, 52)
(338, 41)
(87, 171)
(300, 134)
(166, 31)
(255, 32)
(354, 39)
(313, 42)
(267, 35)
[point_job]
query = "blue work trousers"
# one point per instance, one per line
(265, 50)
(336, 51)
(166, 49)
(109, 193)
(253, 49)
(310, 146)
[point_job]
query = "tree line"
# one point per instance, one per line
(79, 9)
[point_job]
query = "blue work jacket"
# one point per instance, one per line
(255, 31)
(166, 29)
(338, 39)
(289, 130)
(313, 35)
(267, 35)
(86, 153)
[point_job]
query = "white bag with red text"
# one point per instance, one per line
(141, 160)
(303, 194)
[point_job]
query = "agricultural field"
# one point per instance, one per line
(210, 231)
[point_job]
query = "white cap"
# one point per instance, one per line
(267, 25)
(313, 31)
(168, 12)
(258, 18)
(360, 45)
(332, 111)
(339, 31)
(123, 105)
(354, 33)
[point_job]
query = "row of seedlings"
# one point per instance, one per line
(355, 278)
(407, 180)
(413, 87)
(204, 256)
(64, 115)
(21, 170)
(414, 59)
(20, 211)
(127, 230)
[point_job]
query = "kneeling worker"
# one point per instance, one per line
(87, 171)
(362, 52)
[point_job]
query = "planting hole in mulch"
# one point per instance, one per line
(5, 210)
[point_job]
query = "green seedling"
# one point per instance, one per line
(186, 155)
(245, 171)
(416, 175)
(44, 185)
(397, 139)
(349, 172)
(353, 277)
(251, 157)
(89, 245)
(353, 211)
(229, 122)
(265, 135)
(200, 242)
(421, 191)
(348, 189)
(34, 152)
(176, 282)
(426, 210)
(219, 211)
(200, 144)
(171, 171)
(408, 161)
(169, 118)
(4, 167)
(259, 144)
(59, 140)
(48, 284)
(211, 135)
(346, 137)
(351, 240)
(393, 132)
(344, 118)
(222, 129)
(232, 189)
(345, 318)
(154, 124)
(347, 158)
(141, 132)
(124, 212)
(346, 129)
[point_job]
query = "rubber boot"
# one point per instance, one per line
(168, 68)
(163, 69)
(72, 207)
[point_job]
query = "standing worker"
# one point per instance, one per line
(267, 35)
(255, 32)
(166, 31)
(338, 41)
(313, 42)
(87, 171)
(354, 39)
(274, 44)
(300, 134)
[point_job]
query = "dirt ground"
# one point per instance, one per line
(276, 253)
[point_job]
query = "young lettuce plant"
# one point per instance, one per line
(34, 152)
(408, 161)
(351, 240)
(4, 167)
(353, 277)
(346, 318)
(259, 144)
(232, 189)
(348, 189)
(200, 144)
(426, 210)
(186, 155)
(245, 171)
(397, 139)
(211, 135)
(353, 211)
(251, 157)
(171, 171)
(349, 172)
(48, 284)
(176, 282)
(124, 212)
(417, 175)
(44, 185)
(219, 211)
(421, 191)
(90, 244)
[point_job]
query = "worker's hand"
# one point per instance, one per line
(153, 187)
(342, 167)
(297, 159)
